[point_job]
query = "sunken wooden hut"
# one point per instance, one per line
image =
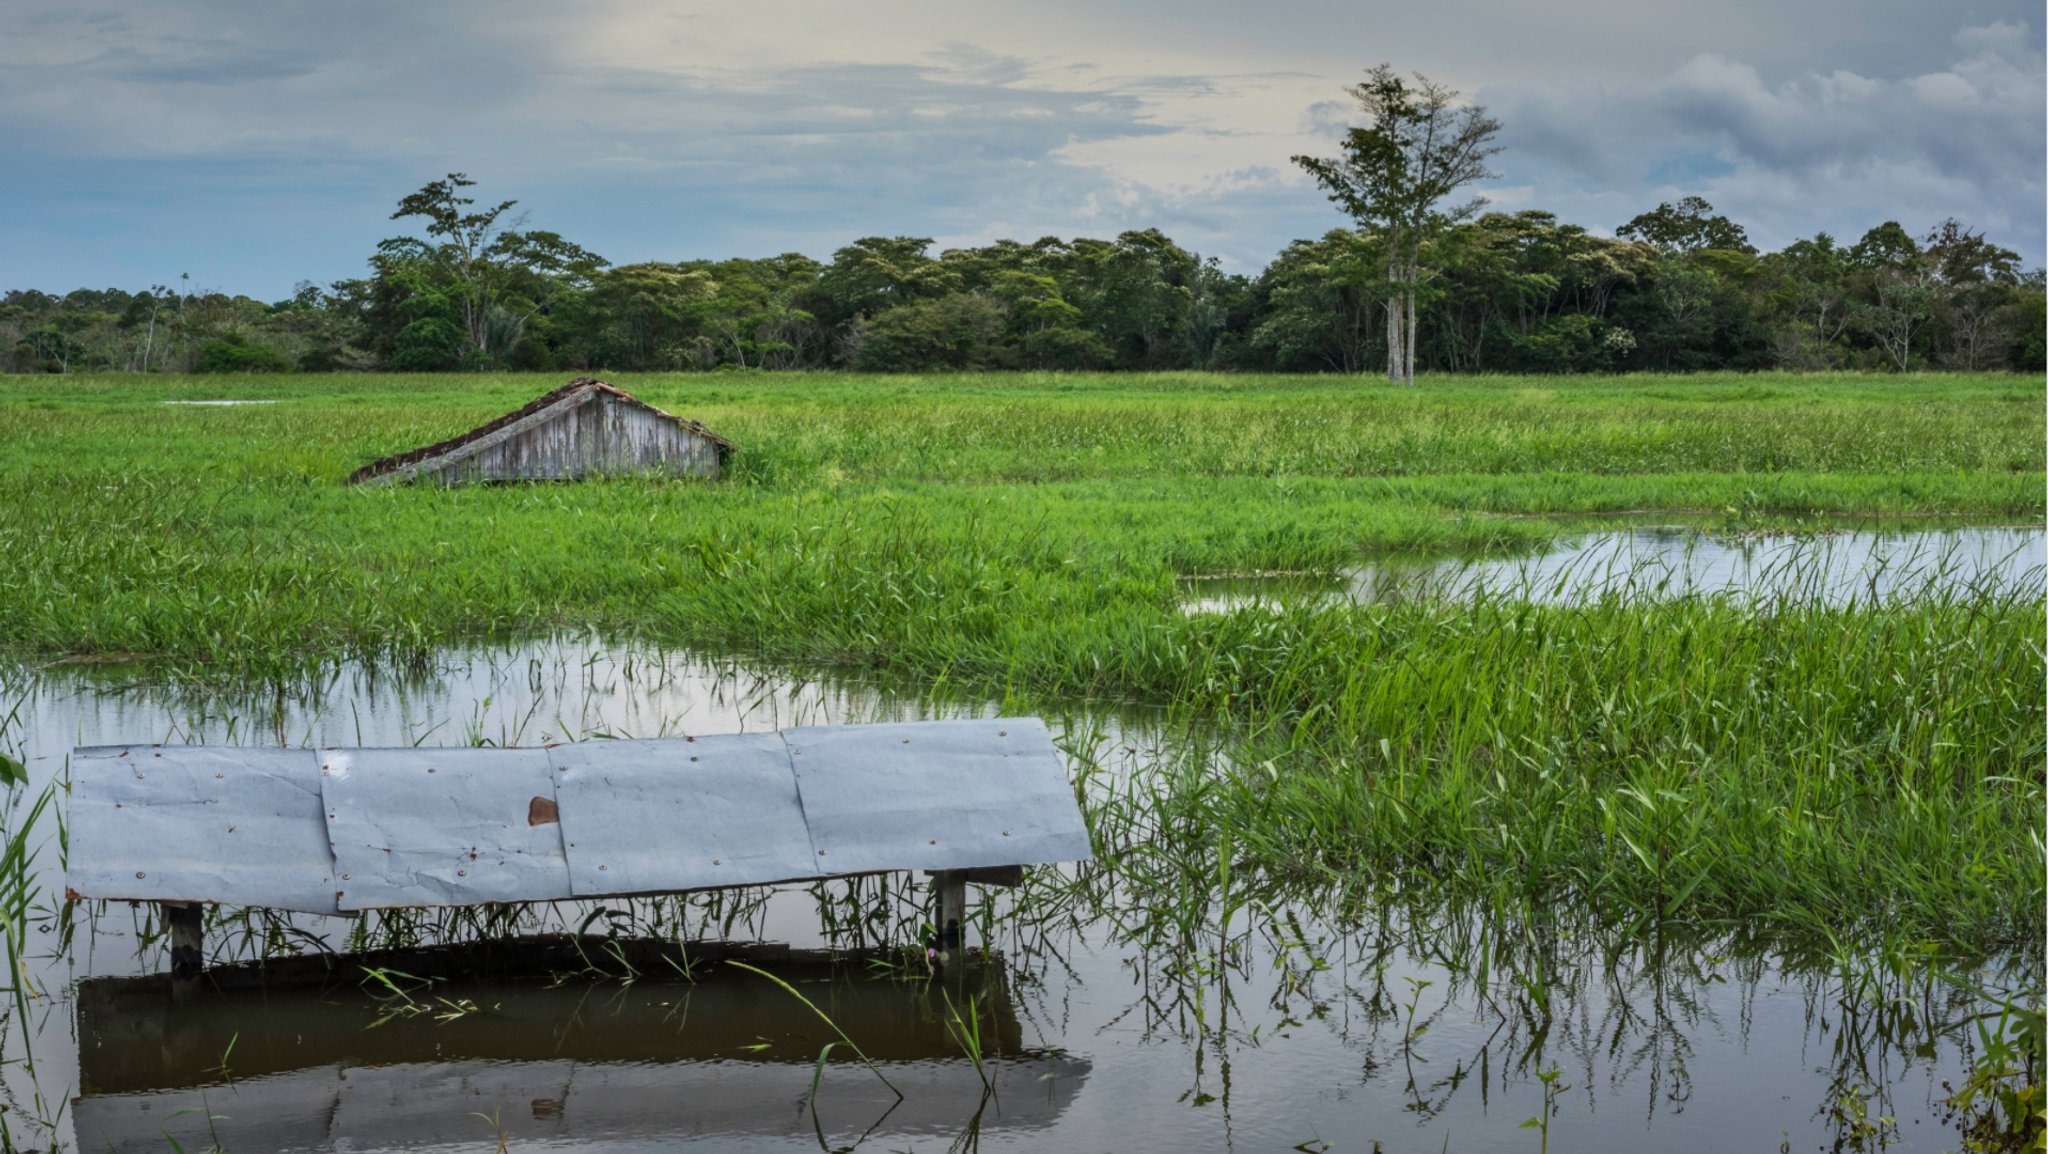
(585, 428)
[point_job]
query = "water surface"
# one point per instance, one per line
(1833, 569)
(1113, 1021)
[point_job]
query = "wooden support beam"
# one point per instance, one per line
(1008, 877)
(950, 886)
(186, 922)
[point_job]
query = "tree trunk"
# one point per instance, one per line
(1393, 320)
(1394, 342)
(1408, 359)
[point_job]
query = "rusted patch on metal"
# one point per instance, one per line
(542, 811)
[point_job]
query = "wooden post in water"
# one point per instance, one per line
(951, 886)
(187, 924)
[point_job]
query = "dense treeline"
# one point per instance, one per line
(1679, 288)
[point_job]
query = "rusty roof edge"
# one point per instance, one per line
(546, 406)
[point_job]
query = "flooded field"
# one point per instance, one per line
(1093, 1013)
(1838, 569)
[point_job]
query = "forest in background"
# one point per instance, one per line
(1680, 289)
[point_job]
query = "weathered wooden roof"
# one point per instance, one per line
(541, 408)
(342, 830)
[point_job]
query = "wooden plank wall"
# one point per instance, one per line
(601, 437)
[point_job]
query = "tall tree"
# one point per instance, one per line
(1972, 281)
(1417, 148)
(1812, 295)
(496, 277)
(1900, 295)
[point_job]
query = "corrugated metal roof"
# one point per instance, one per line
(568, 396)
(355, 829)
(936, 795)
(194, 822)
(680, 814)
(442, 827)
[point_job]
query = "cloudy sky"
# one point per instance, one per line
(254, 145)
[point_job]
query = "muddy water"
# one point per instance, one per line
(1675, 562)
(1102, 1025)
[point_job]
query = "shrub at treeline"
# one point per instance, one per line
(1679, 289)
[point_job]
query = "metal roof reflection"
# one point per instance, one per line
(652, 1064)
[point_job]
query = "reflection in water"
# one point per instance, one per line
(1201, 1018)
(1833, 570)
(301, 1059)
(564, 689)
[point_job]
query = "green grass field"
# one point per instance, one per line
(1797, 768)
(221, 533)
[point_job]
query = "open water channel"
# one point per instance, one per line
(1834, 569)
(1098, 1028)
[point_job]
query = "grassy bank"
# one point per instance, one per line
(220, 533)
(1817, 769)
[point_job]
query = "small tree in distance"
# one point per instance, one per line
(1416, 148)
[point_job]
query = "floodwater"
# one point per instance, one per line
(1083, 1019)
(1830, 569)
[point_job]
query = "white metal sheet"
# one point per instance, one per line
(936, 795)
(345, 830)
(443, 827)
(676, 814)
(237, 826)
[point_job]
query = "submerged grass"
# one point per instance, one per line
(1794, 767)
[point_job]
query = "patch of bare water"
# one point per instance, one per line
(1831, 569)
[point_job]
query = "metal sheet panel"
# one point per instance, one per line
(443, 827)
(346, 830)
(680, 814)
(936, 795)
(238, 826)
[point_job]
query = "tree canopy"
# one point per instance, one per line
(1677, 288)
(1393, 175)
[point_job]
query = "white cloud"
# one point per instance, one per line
(1835, 150)
(272, 143)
